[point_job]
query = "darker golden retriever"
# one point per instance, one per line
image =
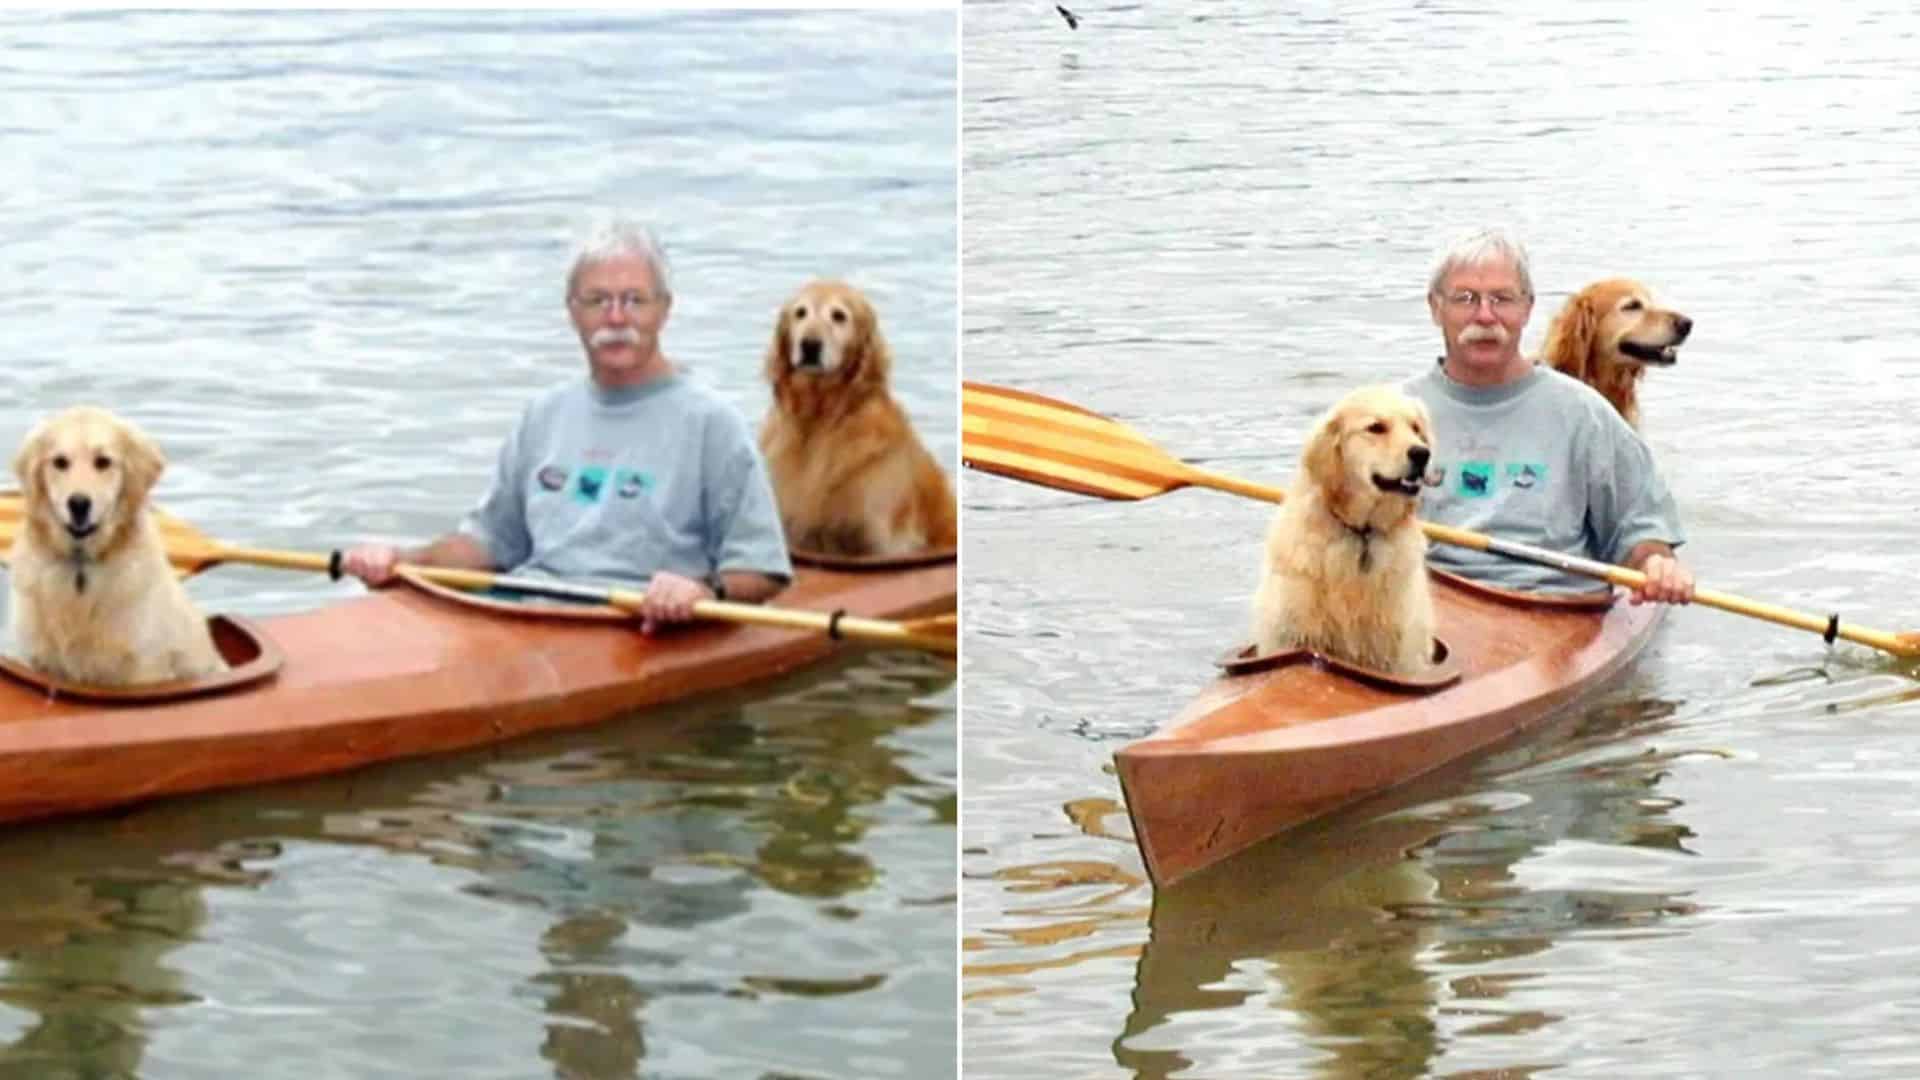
(850, 475)
(1608, 334)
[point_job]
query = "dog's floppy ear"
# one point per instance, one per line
(1426, 419)
(26, 462)
(780, 348)
(867, 357)
(1570, 335)
(143, 462)
(1322, 458)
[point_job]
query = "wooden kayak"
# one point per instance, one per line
(401, 672)
(1262, 750)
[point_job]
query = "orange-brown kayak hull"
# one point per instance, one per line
(1258, 753)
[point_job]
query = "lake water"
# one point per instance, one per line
(320, 258)
(1209, 221)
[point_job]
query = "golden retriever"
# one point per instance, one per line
(1607, 334)
(93, 598)
(1345, 569)
(849, 473)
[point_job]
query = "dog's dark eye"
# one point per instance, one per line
(800, 312)
(102, 462)
(1378, 427)
(839, 316)
(60, 462)
(1631, 305)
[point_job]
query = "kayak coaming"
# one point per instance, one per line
(1256, 754)
(529, 607)
(399, 673)
(250, 655)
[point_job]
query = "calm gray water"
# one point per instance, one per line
(1209, 221)
(319, 258)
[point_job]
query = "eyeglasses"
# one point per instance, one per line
(631, 300)
(1503, 300)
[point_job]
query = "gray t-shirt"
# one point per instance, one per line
(614, 485)
(1543, 460)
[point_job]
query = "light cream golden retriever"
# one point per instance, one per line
(850, 475)
(1608, 334)
(1345, 570)
(93, 598)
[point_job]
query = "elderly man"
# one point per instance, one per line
(634, 473)
(1530, 454)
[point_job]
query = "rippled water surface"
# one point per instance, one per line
(319, 258)
(1208, 221)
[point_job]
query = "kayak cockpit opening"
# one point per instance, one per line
(1598, 599)
(251, 657)
(828, 561)
(1444, 672)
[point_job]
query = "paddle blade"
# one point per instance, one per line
(187, 548)
(1039, 440)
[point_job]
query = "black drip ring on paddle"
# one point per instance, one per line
(1833, 628)
(333, 565)
(833, 624)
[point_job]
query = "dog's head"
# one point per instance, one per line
(1612, 324)
(828, 331)
(1368, 456)
(86, 475)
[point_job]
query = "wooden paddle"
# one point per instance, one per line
(1042, 441)
(191, 551)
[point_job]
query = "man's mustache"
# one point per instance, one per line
(614, 335)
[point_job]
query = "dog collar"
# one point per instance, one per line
(79, 560)
(1364, 534)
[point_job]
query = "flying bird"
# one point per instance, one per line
(1073, 21)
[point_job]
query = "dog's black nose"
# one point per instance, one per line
(809, 352)
(1682, 326)
(78, 507)
(1419, 456)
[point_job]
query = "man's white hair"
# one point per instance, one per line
(614, 238)
(1479, 249)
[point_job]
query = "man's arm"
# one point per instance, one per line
(374, 563)
(670, 597)
(751, 587)
(1645, 549)
(454, 549)
(1668, 580)
(746, 542)
(500, 517)
(1631, 508)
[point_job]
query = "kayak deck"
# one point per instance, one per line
(1258, 753)
(400, 673)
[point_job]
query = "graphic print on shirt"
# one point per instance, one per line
(628, 483)
(1526, 474)
(589, 482)
(1476, 479)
